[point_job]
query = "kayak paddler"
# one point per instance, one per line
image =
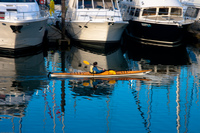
(94, 69)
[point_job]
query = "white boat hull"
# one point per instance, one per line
(96, 31)
(30, 34)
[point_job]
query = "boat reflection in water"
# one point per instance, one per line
(194, 55)
(159, 98)
(165, 63)
(20, 77)
(92, 87)
(108, 60)
(169, 78)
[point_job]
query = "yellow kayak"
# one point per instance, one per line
(108, 74)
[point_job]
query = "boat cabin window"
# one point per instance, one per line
(176, 11)
(115, 4)
(150, 11)
(108, 4)
(80, 4)
(132, 11)
(191, 12)
(137, 12)
(98, 4)
(163, 11)
(17, 0)
(125, 8)
(87, 4)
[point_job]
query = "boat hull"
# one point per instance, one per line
(106, 74)
(168, 35)
(21, 34)
(96, 32)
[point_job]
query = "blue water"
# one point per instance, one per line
(166, 100)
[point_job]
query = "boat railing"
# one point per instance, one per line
(167, 19)
(19, 16)
(94, 15)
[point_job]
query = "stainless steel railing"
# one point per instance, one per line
(92, 15)
(19, 16)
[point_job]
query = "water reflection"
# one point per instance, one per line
(165, 62)
(169, 102)
(194, 55)
(73, 61)
(163, 104)
(146, 119)
(172, 69)
(92, 87)
(158, 55)
(98, 48)
(114, 60)
(20, 77)
(179, 96)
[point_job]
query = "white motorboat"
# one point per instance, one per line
(22, 25)
(155, 22)
(95, 21)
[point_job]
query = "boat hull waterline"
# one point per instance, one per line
(104, 74)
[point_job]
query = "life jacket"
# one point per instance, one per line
(91, 69)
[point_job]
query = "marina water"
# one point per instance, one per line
(166, 100)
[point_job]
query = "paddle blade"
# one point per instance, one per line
(86, 62)
(112, 82)
(112, 72)
(86, 84)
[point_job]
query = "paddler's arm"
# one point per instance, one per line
(97, 70)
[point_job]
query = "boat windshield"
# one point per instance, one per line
(17, 0)
(98, 4)
(150, 11)
(163, 11)
(87, 3)
(176, 11)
